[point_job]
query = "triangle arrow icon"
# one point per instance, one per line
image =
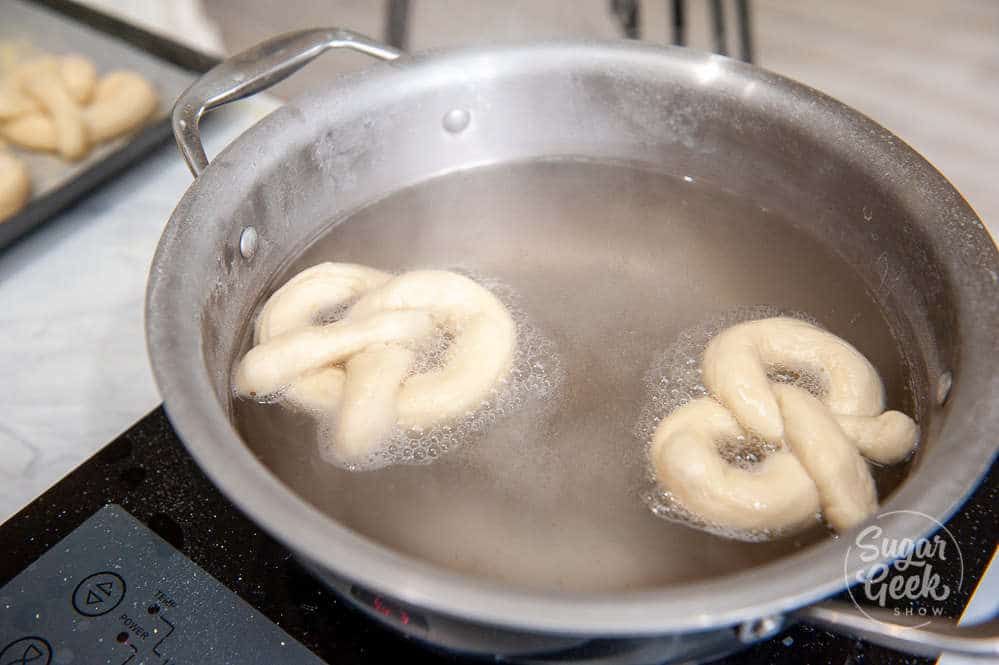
(106, 587)
(93, 598)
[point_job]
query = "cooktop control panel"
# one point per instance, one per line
(114, 592)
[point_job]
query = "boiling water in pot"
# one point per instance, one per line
(608, 263)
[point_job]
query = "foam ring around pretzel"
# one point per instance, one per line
(357, 368)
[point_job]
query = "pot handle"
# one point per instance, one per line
(253, 70)
(883, 627)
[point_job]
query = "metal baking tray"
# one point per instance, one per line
(61, 26)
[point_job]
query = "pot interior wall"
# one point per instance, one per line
(824, 231)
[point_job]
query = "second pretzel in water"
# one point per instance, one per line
(820, 442)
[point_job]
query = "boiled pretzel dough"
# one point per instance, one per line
(304, 297)
(846, 488)
(686, 461)
(368, 411)
(826, 438)
(268, 368)
(316, 391)
(485, 338)
(357, 369)
(15, 186)
(886, 439)
(735, 367)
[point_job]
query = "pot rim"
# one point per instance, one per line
(175, 346)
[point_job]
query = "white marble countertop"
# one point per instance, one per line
(72, 341)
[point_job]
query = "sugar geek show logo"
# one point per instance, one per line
(917, 581)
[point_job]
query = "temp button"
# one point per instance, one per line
(98, 594)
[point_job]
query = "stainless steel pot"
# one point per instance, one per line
(933, 267)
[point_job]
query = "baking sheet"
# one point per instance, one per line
(56, 183)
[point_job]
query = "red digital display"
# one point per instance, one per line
(389, 609)
(386, 610)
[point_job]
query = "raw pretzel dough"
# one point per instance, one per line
(13, 102)
(824, 437)
(14, 185)
(122, 101)
(358, 367)
(76, 73)
(42, 81)
(79, 76)
(60, 105)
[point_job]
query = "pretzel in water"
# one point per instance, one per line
(821, 442)
(358, 370)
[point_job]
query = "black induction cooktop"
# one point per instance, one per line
(210, 586)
